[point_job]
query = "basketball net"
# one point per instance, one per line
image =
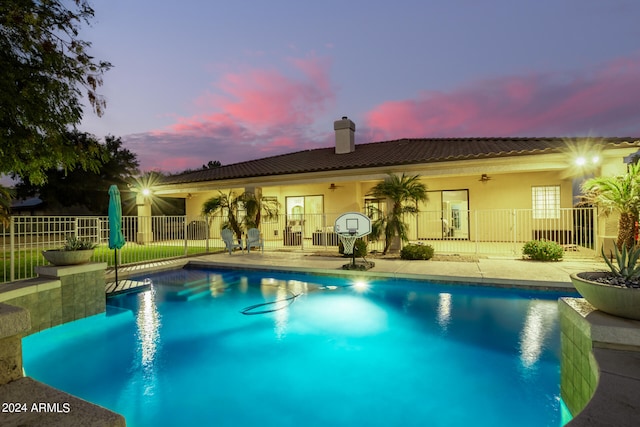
(348, 241)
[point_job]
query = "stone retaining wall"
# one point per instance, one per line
(59, 295)
(600, 366)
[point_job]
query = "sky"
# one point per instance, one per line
(196, 81)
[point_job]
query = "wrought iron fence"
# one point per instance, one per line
(147, 239)
(504, 231)
(490, 232)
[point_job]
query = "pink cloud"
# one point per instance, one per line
(248, 114)
(602, 102)
(258, 113)
(268, 98)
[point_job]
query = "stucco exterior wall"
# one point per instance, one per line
(509, 189)
(502, 191)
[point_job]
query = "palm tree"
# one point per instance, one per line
(404, 192)
(256, 208)
(620, 193)
(221, 203)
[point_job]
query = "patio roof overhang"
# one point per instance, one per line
(561, 162)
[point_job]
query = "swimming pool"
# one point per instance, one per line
(310, 350)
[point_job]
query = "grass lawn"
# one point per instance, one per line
(26, 260)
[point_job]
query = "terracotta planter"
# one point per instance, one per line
(616, 300)
(58, 257)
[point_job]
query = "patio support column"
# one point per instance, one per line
(144, 234)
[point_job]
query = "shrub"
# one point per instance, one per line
(627, 260)
(543, 250)
(412, 251)
(360, 248)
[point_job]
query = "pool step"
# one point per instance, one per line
(203, 287)
(125, 286)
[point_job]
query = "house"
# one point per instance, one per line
(465, 177)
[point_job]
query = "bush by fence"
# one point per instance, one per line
(543, 250)
(413, 252)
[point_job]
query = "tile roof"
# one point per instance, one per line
(391, 153)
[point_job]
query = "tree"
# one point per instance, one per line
(212, 164)
(45, 69)
(78, 187)
(257, 207)
(225, 203)
(621, 194)
(6, 194)
(231, 203)
(404, 192)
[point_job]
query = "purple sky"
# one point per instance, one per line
(196, 81)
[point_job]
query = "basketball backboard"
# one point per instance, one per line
(353, 223)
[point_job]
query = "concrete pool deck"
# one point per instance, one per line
(508, 272)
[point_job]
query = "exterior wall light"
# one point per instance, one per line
(582, 161)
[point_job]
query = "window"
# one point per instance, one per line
(545, 201)
(375, 208)
(444, 216)
(304, 211)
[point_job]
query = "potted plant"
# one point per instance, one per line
(617, 291)
(75, 251)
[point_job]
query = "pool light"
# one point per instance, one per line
(361, 286)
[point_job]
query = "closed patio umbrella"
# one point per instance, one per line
(116, 238)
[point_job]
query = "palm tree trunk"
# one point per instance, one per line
(387, 245)
(233, 223)
(626, 230)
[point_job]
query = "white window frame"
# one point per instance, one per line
(545, 201)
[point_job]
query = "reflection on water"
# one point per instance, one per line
(217, 285)
(538, 324)
(444, 310)
(408, 301)
(279, 294)
(281, 315)
(243, 284)
(148, 336)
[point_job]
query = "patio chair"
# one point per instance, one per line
(254, 240)
(227, 238)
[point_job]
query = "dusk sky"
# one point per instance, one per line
(195, 81)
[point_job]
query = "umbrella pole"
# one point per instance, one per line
(115, 261)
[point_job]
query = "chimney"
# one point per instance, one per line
(345, 135)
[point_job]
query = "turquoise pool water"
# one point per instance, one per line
(310, 350)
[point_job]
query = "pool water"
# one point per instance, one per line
(310, 350)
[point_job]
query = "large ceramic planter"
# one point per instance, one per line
(59, 257)
(616, 300)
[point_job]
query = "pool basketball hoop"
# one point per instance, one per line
(349, 227)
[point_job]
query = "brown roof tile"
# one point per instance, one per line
(390, 153)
